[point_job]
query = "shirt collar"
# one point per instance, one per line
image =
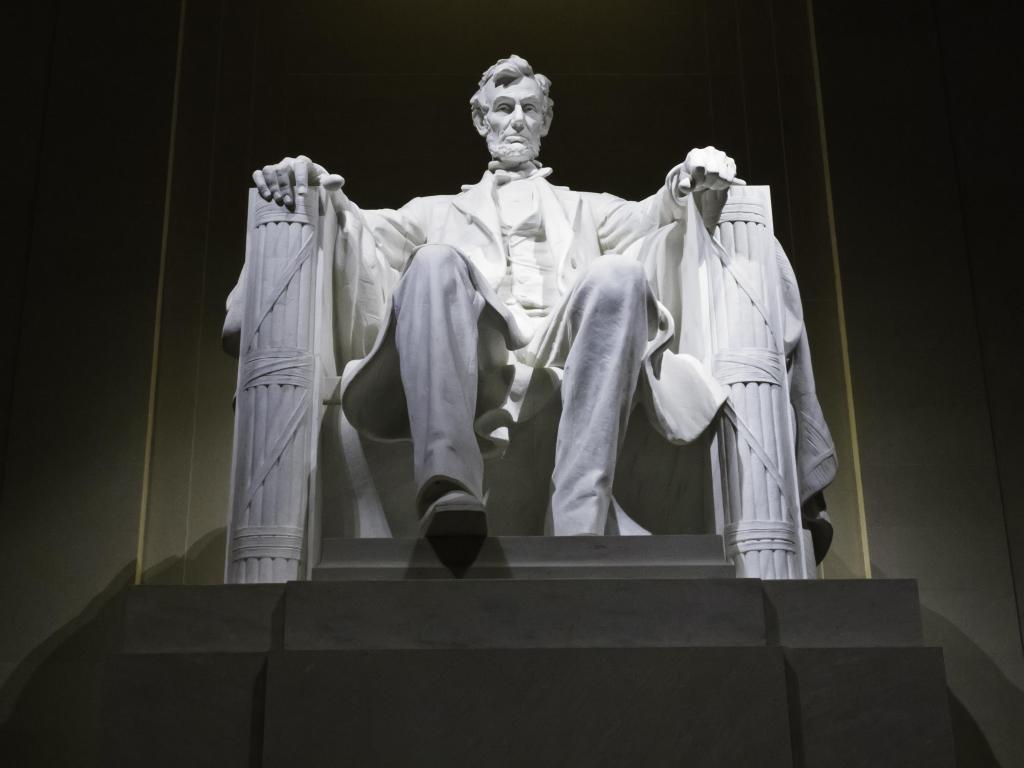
(531, 170)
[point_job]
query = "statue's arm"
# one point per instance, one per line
(397, 233)
(622, 222)
(703, 179)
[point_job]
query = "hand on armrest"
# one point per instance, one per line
(706, 174)
(289, 179)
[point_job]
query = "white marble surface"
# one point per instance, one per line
(722, 316)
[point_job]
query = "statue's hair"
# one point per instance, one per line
(505, 71)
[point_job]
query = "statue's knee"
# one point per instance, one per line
(616, 275)
(436, 258)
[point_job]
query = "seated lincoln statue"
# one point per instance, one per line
(465, 314)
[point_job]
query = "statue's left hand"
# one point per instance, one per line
(703, 169)
(288, 180)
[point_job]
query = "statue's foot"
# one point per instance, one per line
(457, 513)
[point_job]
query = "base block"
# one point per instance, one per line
(576, 668)
(183, 709)
(866, 707)
(495, 708)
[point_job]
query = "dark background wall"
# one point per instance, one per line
(92, 95)
(916, 107)
(387, 106)
(917, 113)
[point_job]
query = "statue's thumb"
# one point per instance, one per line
(332, 181)
(332, 184)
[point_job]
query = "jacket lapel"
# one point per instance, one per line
(560, 209)
(561, 213)
(477, 203)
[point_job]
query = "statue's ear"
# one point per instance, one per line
(480, 122)
(548, 117)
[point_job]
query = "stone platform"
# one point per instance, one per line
(527, 671)
(526, 557)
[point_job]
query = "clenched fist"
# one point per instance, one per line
(703, 169)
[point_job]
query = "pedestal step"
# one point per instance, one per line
(557, 613)
(540, 672)
(468, 613)
(525, 557)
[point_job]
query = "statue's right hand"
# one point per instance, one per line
(287, 180)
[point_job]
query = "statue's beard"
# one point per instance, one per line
(512, 153)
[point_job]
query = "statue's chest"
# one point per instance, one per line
(519, 209)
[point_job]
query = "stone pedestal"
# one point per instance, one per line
(525, 557)
(555, 670)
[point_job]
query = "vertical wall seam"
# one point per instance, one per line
(743, 83)
(986, 388)
(33, 202)
(840, 306)
(147, 456)
(794, 247)
(202, 290)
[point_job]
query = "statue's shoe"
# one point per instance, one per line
(457, 513)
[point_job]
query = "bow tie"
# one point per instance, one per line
(503, 176)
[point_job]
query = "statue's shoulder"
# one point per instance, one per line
(431, 200)
(428, 203)
(601, 198)
(599, 202)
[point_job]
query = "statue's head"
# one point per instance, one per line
(512, 109)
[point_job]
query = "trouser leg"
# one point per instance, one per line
(608, 322)
(437, 309)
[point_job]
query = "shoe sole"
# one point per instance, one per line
(442, 520)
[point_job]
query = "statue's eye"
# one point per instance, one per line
(503, 108)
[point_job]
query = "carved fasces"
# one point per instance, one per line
(753, 447)
(277, 387)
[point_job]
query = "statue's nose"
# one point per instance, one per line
(517, 115)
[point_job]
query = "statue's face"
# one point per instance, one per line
(515, 122)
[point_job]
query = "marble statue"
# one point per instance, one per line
(455, 318)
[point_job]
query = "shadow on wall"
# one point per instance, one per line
(50, 704)
(970, 742)
(972, 746)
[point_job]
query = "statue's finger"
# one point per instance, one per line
(736, 181)
(261, 185)
(284, 183)
(681, 188)
(301, 169)
(728, 169)
(270, 174)
(677, 181)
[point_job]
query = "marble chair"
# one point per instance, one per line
(312, 303)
